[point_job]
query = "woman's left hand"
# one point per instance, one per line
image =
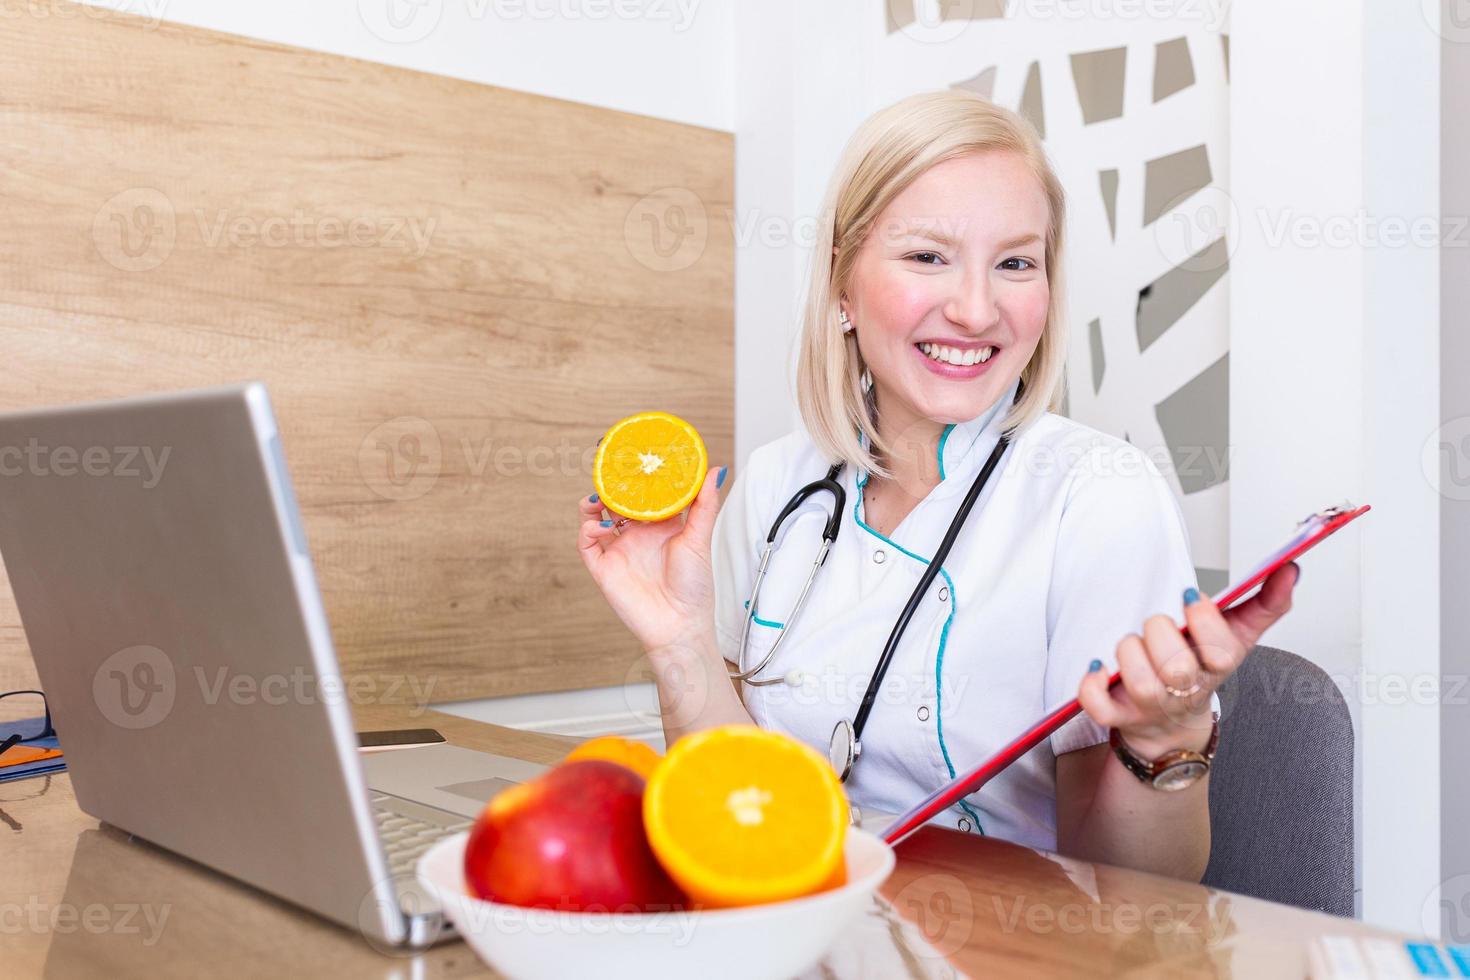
(1163, 701)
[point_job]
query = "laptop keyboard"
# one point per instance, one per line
(408, 829)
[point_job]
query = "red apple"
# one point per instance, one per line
(571, 839)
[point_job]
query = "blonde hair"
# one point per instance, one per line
(887, 153)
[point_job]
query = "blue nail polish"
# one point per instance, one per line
(1191, 596)
(606, 523)
(592, 499)
(1094, 666)
(720, 480)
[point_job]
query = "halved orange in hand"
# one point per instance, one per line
(649, 466)
(627, 752)
(738, 815)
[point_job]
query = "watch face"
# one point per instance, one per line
(1180, 775)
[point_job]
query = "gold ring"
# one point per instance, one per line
(1188, 692)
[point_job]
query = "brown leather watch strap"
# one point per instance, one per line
(1174, 770)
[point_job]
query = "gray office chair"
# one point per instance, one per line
(1281, 787)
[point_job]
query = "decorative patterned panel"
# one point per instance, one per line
(1133, 110)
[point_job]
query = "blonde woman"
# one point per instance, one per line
(933, 329)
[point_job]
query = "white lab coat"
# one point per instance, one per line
(1076, 540)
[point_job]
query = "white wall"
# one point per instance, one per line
(1334, 114)
(672, 59)
(766, 274)
(1455, 502)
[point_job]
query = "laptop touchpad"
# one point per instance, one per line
(479, 790)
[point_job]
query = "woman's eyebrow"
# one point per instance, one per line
(928, 231)
(933, 234)
(1020, 242)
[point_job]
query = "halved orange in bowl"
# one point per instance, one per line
(649, 466)
(739, 815)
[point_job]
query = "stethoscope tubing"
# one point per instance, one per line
(830, 485)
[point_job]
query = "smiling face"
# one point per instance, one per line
(949, 293)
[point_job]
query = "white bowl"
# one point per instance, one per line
(777, 940)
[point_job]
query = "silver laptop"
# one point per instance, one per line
(158, 561)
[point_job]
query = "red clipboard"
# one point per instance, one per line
(1309, 533)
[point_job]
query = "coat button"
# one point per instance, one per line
(944, 593)
(879, 557)
(923, 712)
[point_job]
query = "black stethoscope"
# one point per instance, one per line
(845, 744)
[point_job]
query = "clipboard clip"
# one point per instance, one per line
(1327, 513)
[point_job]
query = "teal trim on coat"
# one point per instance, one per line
(940, 452)
(954, 603)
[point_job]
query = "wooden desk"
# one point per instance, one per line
(955, 905)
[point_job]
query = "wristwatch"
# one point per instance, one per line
(1171, 771)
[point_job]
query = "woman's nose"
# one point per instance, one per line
(973, 305)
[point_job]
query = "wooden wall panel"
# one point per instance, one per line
(450, 289)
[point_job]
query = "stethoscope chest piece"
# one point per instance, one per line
(843, 748)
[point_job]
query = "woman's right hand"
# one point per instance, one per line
(657, 576)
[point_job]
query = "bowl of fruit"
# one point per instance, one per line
(730, 856)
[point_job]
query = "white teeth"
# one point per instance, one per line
(959, 358)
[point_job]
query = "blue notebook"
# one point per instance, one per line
(41, 766)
